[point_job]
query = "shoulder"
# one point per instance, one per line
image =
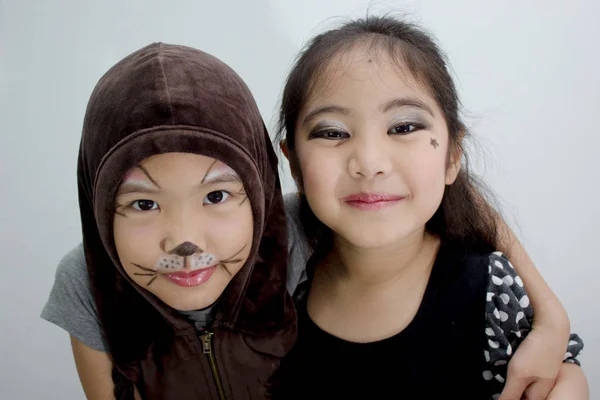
(291, 202)
(298, 248)
(72, 267)
(70, 304)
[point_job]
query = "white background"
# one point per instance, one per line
(527, 72)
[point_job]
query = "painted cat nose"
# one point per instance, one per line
(185, 249)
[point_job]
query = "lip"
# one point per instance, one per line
(372, 201)
(191, 279)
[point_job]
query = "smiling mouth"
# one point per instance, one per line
(372, 201)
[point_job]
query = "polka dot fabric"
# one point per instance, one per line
(509, 316)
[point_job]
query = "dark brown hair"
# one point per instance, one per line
(464, 214)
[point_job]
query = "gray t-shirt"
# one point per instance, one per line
(71, 305)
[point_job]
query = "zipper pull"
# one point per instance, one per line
(206, 342)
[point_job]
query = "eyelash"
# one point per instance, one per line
(324, 133)
(131, 205)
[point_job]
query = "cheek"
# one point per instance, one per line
(320, 168)
(136, 242)
(228, 232)
(426, 174)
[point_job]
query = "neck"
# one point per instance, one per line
(383, 266)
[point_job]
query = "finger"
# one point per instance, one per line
(514, 389)
(539, 390)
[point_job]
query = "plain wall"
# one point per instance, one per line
(527, 73)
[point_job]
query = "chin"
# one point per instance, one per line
(189, 304)
(376, 237)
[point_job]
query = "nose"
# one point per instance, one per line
(185, 249)
(183, 234)
(370, 157)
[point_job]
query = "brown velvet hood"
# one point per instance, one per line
(167, 98)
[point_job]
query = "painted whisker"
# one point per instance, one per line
(148, 272)
(230, 260)
(144, 268)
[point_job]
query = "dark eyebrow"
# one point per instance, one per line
(406, 102)
(323, 110)
(390, 105)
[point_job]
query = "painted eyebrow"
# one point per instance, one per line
(148, 175)
(222, 178)
(388, 106)
(135, 187)
(139, 187)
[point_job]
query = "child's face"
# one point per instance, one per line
(372, 146)
(182, 227)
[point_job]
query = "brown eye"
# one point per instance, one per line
(216, 197)
(329, 134)
(144, 205)
(404, 129)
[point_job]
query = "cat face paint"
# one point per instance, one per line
(182, 227)
(195, 261)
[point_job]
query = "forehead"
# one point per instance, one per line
(365, 73)
(177, 163)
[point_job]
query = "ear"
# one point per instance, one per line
(284, 149)
(293, 164)
(453, 165)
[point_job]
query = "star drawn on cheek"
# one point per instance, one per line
(434, 143)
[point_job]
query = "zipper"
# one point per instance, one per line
(207, 349)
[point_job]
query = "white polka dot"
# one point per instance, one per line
(505, 298)
(508, 280)
(508, 350)
(518, 334)
(568, 355)
(498, 264)
(490, 296)
(487, 355)
(497, 281)
(510, 265)
(572, 343)
(493, 345)
(487, 375)
(496, 396)
(499, 378)
(520, 316)
(500, 363)
(503, 316)
(498, 253)
(496, 313)
(524, 302)
(489, 269)
(489, 331)
(519, 281)
(501, 330)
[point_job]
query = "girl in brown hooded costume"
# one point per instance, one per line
(173, 148)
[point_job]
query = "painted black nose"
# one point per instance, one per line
(185, 249)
